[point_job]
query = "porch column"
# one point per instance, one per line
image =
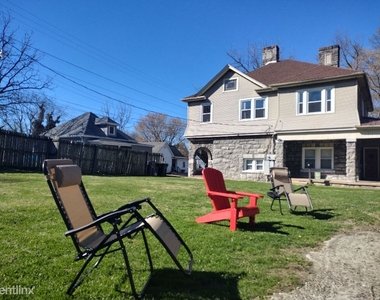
(191, 160)
(351, 160)
(279, 149)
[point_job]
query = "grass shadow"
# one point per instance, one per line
(172, 284)
(271, 227)
(319, 214)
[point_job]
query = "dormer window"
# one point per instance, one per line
(107, 125)
(230, 84)
(112, 130)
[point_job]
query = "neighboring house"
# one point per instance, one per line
(90, 129)
(176, 161)
(286, 113)
(179, 161)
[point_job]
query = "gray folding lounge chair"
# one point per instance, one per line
(282, 189)
(85, 226)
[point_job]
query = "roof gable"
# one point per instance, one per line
(105, 121)
(157, 146)
(227, 68)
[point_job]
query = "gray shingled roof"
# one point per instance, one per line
(370, 121)
(84, 126)
(176, 152)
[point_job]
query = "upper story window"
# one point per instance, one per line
(230, 84)
(206, 113)
(252, 109)
(318, 158)
(312, 101)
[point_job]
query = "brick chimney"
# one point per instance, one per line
(271, 54)
(329, 56)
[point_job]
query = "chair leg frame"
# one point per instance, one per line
(138, 295)
(279, 202)
(291, 209)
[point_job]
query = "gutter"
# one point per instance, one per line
(276, 86)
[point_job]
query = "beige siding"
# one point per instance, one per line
(282, 108)
(225, 111)
(345, 115)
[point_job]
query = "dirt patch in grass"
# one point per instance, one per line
(346, 267)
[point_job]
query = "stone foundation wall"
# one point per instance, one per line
(228, 155)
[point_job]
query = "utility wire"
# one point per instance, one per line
(66, 77)
(116, 61)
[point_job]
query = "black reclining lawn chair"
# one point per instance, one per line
(85, 226)
(282, 189)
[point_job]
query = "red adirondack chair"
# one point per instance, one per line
(224, 209)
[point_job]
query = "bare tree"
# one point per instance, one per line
(120, 113)
(155, 127)
(18, 68)
(38, 119)
(30, 116)
(248, 61)
(352, 51)
(356, 56)
(251, 58)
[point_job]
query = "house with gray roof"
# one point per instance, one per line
(90, 129)
(311, 118)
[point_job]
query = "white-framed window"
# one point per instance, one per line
(230, 84)
(206, 113)
(112, 130)
(253, 165)
(252, 109)
(318, 158)
(315, 101)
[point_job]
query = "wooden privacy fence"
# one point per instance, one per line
(19, 151)
(96, 159)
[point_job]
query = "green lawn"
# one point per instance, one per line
(246, 264)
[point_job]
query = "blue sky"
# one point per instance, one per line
(150, 54)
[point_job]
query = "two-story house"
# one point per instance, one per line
(286, 113)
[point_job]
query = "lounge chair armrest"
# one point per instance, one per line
(276, 188)
(136, 204)
(104, 218)
(304, 187)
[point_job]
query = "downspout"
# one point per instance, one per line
(275, 126)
